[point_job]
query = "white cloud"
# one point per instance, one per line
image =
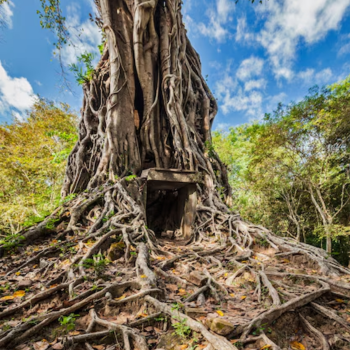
(255, 84)
(85, 36)
(16, 94)
(242, 33)
(250, 67)
(310, 77)
(290, 21)
(6, 13)
(231, 92)
(219, 16)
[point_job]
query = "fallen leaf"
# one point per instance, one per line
(243, 297)
(17, 273)
(58, 346)
(266, 347)
(183, 347)
(226, 274)
(339, 300)
(219, 312)
(286, 261)
(161, 258)
(99, 347)
(143, 276)
(19, 294)
(121, 297)
(40, 345)
(232, 295)
(181, 292)
(297, 346)
(244, 262)
(74, 333)
(7, 297)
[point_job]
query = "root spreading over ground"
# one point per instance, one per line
(94, 276)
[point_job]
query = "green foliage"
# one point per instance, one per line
(84, 71)
(98, 263)
(290, 172)
(130, 177)
(68, 323)
(51, 18)
(181, 329)
(11, 241)
(33, 156)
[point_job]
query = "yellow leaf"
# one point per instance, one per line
(183, 347)
(35, 266)
(339, 300)
(18, 273)
(226, 274)
(267, 347)
(161, 258)
(142, 315)
(232, 295)
(297, 346)
(121, 298)
(286, 261)
(219, 312)
(8, 297)
(243, 297)
(74, 333)
(245, 261)
(19, 294)
(143, 276)
(181, 291)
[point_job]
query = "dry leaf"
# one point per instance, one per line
(297, 346)
(181, 292)
(226, 274)
(8, 297)
(243, 297)
(143, 276)
(339, 300)
(58, 346)
(74, 333)
(121, 298)
(18, 273)
(41, 345)
(99, 347)
(161, 257)
(267, 347)
(183, 347)
(232, 295)
(19, 294)
(219, 312)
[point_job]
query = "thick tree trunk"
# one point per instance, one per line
(148, 104)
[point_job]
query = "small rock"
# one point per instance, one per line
(169, 341)
(220, 326)
(43, 263)
(25, 283)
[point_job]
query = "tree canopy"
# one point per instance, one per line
(33, 155)
(291, 171)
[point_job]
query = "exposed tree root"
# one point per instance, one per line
(150, 279)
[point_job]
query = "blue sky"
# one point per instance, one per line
(254, 56)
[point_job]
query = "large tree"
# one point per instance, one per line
(147, 106)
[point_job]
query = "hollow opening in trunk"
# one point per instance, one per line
(170, 202)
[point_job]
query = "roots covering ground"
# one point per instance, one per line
(93, 276)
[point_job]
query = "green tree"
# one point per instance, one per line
(33, 156)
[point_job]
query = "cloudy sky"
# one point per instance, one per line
(253, 56)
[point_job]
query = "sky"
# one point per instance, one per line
(253, 56)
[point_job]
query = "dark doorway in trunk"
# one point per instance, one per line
(170, 201)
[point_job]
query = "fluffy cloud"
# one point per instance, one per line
(289, 21)
(6, 13)
(85, 36)
(238, 92)
(242, 33)
(16, 94)
(309, 76)
(219, 16)
(250, 67)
